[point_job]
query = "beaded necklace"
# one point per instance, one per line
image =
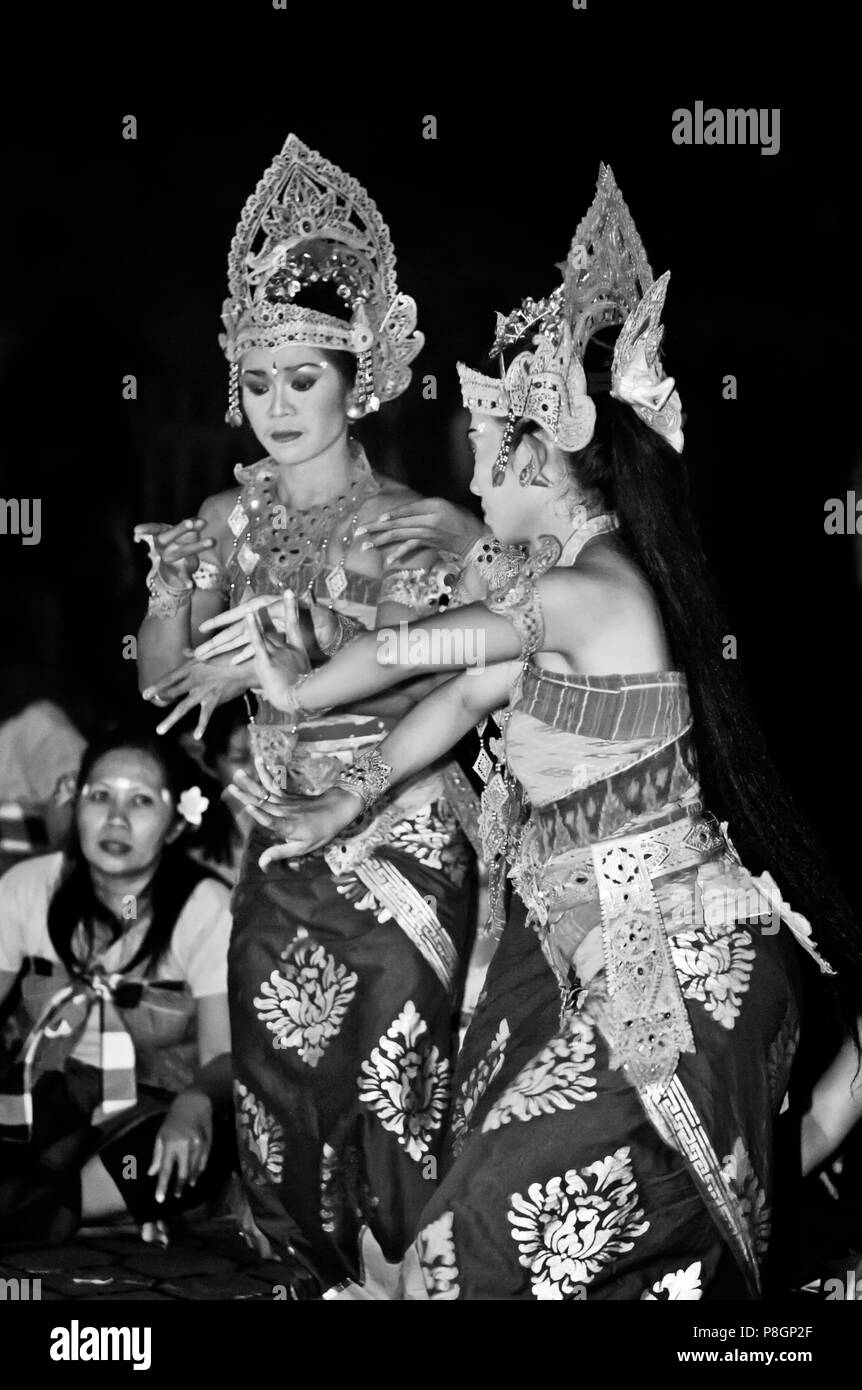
(293, 542)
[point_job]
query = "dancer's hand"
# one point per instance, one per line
(175, 546)
(302, 823)
(278, 622)
(428, 522)
(277, 668)
(183, 1144)
(207, 684)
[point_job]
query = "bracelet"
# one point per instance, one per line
(369, 778)
(348, 628)
(166, 602)
(293, 705)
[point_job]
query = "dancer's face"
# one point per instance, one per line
(508, 508)
(233, 758)
(125, 814)
(295, 401)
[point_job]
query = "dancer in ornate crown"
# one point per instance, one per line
(613, 1123)
(345, 968)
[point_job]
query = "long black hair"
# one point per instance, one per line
(75, 903)
(646, 482)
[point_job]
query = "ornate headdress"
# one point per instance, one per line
(307, 222)
(607, 280)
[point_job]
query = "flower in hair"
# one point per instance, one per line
(192, 804)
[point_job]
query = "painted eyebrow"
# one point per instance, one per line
(262, 371)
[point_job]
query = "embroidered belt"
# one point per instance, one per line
(354, 853)
(647, 1024)
(645, 1021)
(677, 841)
(414, 913)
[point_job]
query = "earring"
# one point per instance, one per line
(527, 473)
(365, 382)
(501, 462)
(354, 412)
(234, 413)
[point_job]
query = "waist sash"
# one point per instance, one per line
(593, 813)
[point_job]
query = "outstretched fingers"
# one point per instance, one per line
(177, 713)
(242, 610)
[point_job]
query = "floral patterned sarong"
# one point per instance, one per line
(344, 1030)
(569, 1175)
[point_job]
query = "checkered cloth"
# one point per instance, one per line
(54, 1038)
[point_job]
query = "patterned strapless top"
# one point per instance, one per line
(566, 732)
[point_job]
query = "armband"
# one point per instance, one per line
(523, 608)
(497, 565)
(425, 590)
(210, 575)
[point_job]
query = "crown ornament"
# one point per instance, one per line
(606, 281)
(637, 374)
(306, 223)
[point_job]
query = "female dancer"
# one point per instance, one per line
(612, 1132)
(124, 945)
(350, 952)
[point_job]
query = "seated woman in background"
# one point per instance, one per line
(120, 1097)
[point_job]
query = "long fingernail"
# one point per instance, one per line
(384, 516)
(361, 531)
(367, 545)
(148, 693)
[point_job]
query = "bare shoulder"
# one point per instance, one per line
(564, 583)
(216, 509)
(605, 585)
(391, 494)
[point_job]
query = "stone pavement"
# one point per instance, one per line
(208, 1261)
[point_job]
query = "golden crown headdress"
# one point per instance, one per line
(307, 223)
(607, 280)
